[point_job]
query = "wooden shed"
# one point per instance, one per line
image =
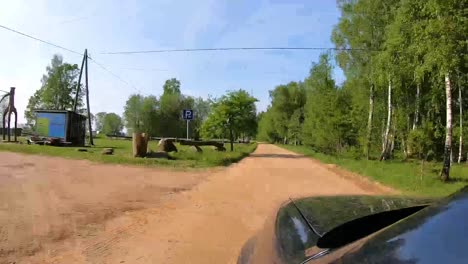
(69, 126)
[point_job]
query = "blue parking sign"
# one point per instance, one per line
(187, 114)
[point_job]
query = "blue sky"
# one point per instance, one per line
(105, 25)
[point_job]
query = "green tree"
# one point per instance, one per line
(133, 113)
(201, 108)
(58, 89)
(359, 34)
(112, 124)
(295, 126)
(233, 114)
(171, 102)
(285, 115)
(99, 120)
(266, 127)
(434, 34)
(171, 86)
(402, 60)
(163, 116)
(150, 115)
(326, 125)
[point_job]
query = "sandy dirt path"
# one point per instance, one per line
(206, 222)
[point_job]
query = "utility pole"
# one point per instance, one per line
(84, 65)
(78, 85)
(87, 100)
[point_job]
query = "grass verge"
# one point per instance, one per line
(184, 158)
(410, 177)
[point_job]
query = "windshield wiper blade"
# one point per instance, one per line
(305, 219)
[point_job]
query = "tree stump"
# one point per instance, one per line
(166, 145)
(140, 144)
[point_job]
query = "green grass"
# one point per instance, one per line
(184, 158)
(404, 176)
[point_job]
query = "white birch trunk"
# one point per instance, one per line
(445, 173)
(369, 120)
(416, 112)
(383, 134)
(392, 144)
(460, 147)
(384, 154)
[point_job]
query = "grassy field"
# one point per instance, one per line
(184, 158)
(409, 177)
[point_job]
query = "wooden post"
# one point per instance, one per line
(8, 126)
(136, 142)
(139, 144)
(79, 82)
(87, 100)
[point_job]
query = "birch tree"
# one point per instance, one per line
(460, 105)
(362, 29)
(385, 151)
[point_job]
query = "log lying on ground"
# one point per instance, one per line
(196, 149)
(166, 145)
(158, 155)
(219, 146)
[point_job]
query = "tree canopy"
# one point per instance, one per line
(403, 61)
(112, 124)
(58, 89)
(163, 116)
(233, 115)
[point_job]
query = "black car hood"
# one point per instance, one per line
(287, 238)
(325, 213)
(437, 234)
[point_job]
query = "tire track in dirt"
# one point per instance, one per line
(209, 223)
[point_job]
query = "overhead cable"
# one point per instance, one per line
(228, 49)
(113, 74)
(69, 50)
(43, 41)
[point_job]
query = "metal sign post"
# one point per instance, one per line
(187, 114)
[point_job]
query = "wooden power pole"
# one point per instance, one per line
(87, 100)
(84, 65)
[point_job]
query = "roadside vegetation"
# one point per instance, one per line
(412, 177)
(184, 158)
(232, 116)
(401, 104)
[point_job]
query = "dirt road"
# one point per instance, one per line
(79, 212)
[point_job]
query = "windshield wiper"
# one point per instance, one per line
(305, 219)
(364, 226)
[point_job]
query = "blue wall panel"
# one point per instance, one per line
(57, 124)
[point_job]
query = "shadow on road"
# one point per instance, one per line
(286, 156)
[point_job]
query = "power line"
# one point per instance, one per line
(113, 74)
(229, 49)
(142, 69)
(72, 51)
(43, 41)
